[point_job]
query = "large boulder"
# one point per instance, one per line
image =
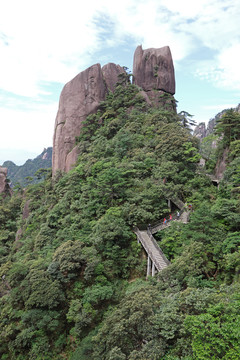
(79, 98)
(153, 69)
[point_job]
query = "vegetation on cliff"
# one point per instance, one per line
(73, 277)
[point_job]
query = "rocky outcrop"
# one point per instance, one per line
(4, 187)
(79, 98)
(153, 69)
(46, 154)
(200, 131)
(210, 127)
(221, 165)
(111, 74)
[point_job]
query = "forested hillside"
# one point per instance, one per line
(73, 277)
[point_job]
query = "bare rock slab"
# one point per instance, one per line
(80, 97)
(153, 69)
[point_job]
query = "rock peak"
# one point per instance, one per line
(79, 98)
(153, 69)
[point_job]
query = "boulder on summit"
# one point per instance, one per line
(153, 69)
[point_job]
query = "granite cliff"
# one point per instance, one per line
(79, 98)
(153, 71)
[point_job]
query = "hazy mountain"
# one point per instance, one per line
(18, 174)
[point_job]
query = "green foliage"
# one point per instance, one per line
(208, 151)
(186, 119)
(215, 334)
(228, 126)
(73, 275)
(171, 242)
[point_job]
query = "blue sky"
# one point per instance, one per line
(44, 44)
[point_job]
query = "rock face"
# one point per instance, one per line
(3, 177)
(200, 131)
(153, 69)
(79, 98)
(221, 165)
(110, 74)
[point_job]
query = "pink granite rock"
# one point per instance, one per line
(72, 158)
(79, 98)
(110, 73)
(153, 69)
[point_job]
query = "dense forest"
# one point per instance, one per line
(73, 276)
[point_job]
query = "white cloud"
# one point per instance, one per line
(223, 71)
(54, 40)
(47, 41)
(32, 129)
(187, 27)
(51, 41)
(229, 61)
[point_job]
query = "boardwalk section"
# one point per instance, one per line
(183, 217)
(157, 261)
(156, 258)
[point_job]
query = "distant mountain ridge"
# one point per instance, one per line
(18, 174)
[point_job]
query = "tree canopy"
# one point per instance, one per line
(73, 277)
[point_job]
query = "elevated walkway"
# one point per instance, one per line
(156, 258)
(184, 215)
(157, 261)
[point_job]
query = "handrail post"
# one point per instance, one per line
(148, 266)
(153, 269)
